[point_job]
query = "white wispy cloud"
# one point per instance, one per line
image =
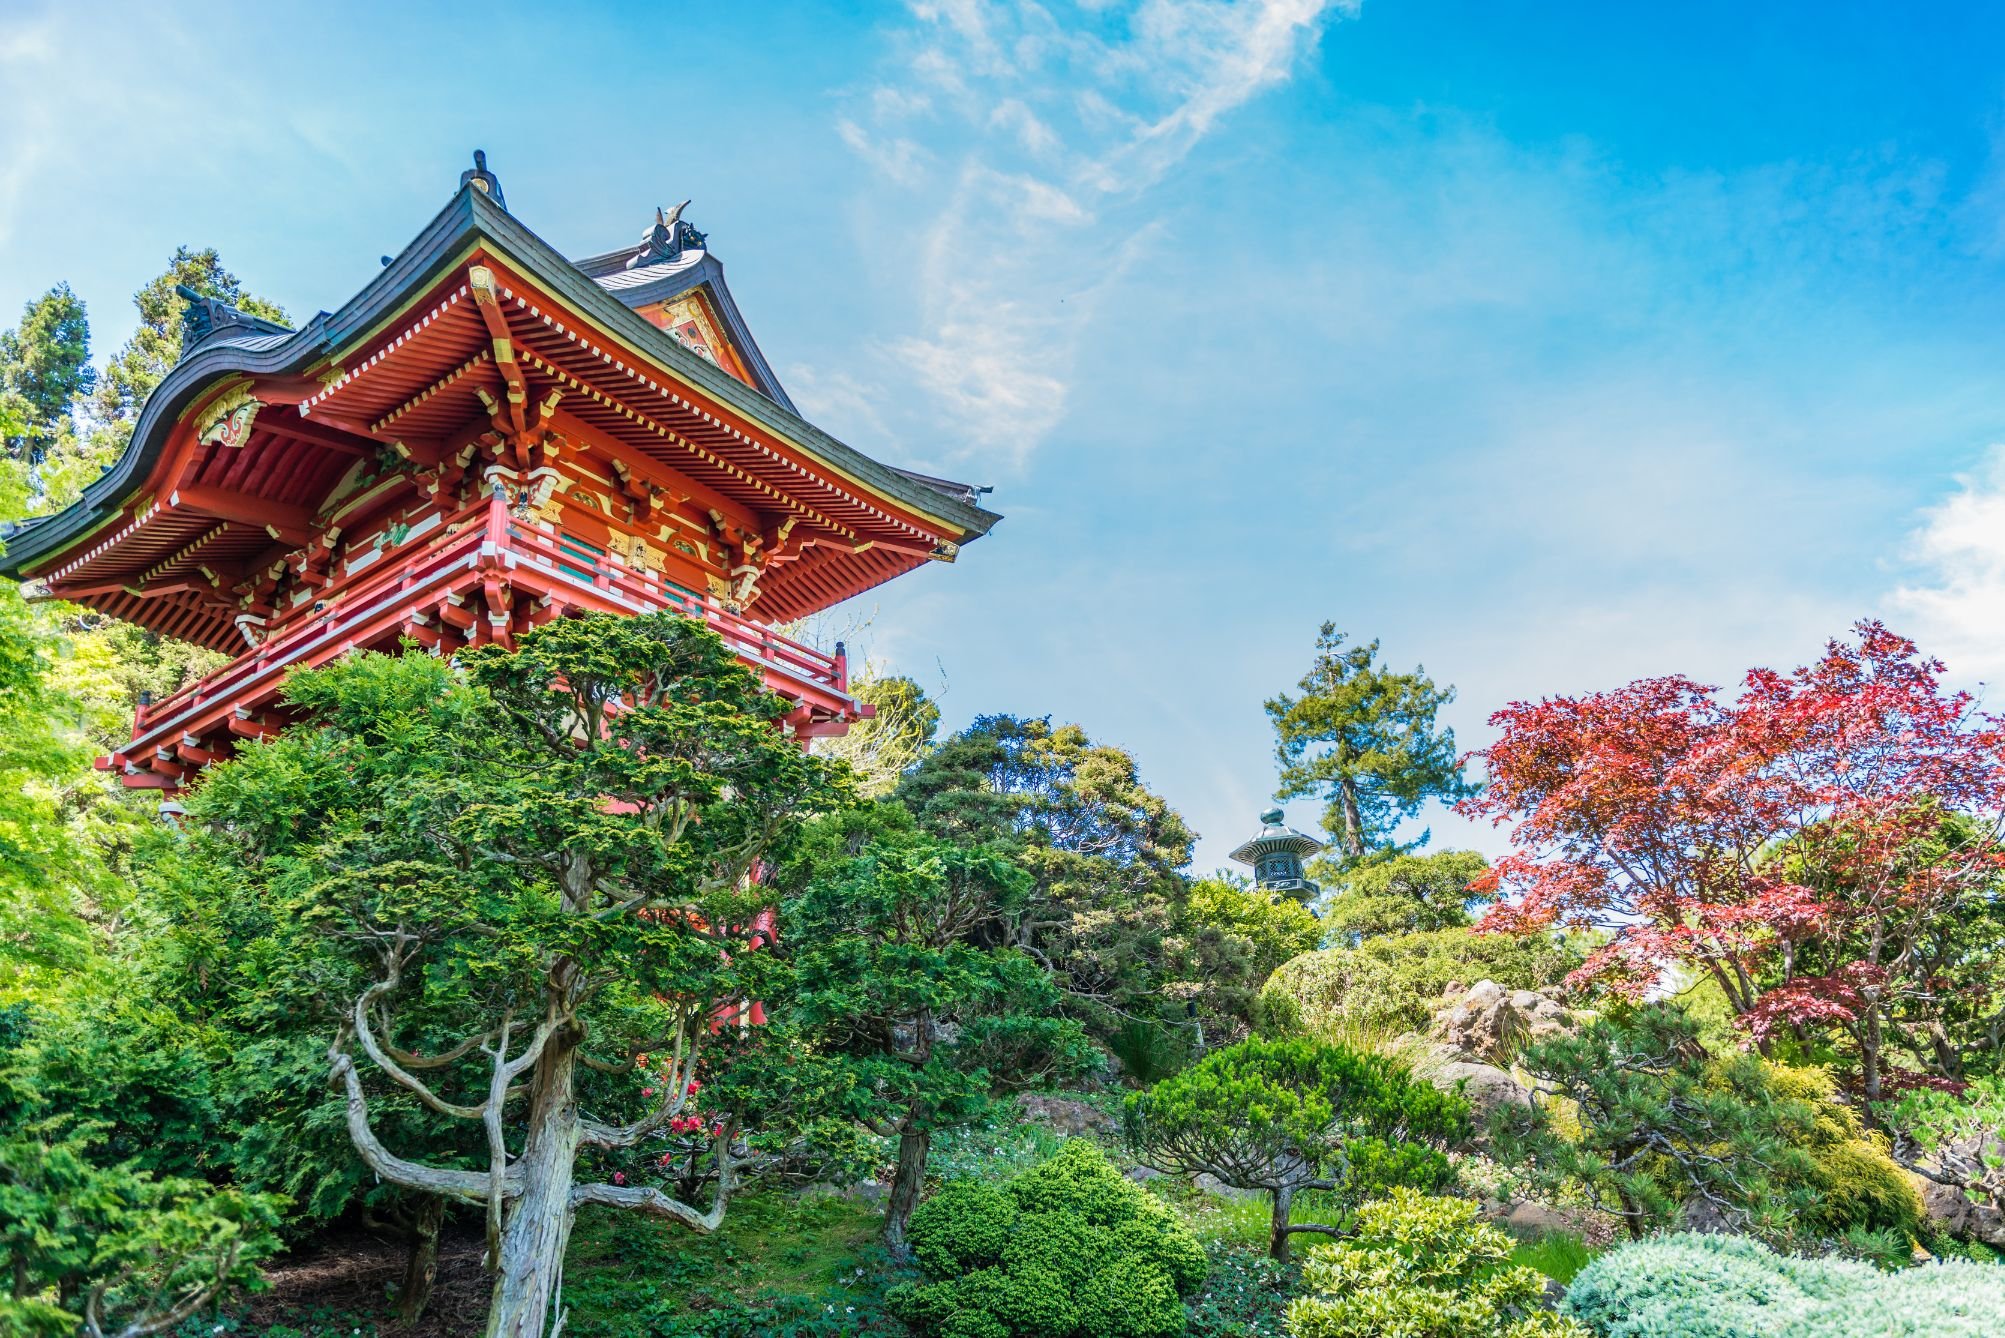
(1014, 149)
(1957, 607)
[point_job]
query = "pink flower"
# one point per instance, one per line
(619, 1177)
(647, 1091)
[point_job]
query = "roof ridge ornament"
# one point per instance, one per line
(668, 237)
(204, 316)
(482, 180)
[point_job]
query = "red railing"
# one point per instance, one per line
(474, 537)
(340, 600)
(645, 591)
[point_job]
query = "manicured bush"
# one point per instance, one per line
(1690, 1286)
(1425, 1267)
(1390, 983)
(1288, 1115)
(1068, 1249)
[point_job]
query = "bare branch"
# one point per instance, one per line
(462, 1186)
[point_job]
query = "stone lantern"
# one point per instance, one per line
(1276, 856)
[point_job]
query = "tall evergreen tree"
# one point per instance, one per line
(1365, 739)
(905, 1011)
(1104, 852)
(44, 368)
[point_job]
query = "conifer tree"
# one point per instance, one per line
(1365, 738)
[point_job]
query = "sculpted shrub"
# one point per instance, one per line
(1283, 1116)
(1068, 1249)
(1654, 1125)
(1425, 1267)
(1731, 1287)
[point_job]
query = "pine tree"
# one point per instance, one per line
(1365, 738)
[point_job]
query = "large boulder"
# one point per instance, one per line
(1065, 1115)
(1487, 1087)
(1488, 1022)
(1951, 1208)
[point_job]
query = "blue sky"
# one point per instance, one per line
(1554, 345)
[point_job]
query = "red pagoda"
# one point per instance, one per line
(486, 437)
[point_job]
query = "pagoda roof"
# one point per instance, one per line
(472, 222)
(643, 285)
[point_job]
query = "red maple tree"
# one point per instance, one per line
(1798, 843)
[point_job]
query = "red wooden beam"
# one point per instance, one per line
(288, 524)
(301, 429)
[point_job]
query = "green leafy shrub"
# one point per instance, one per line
(1391, 982)
(1690, 1286)
(133, 1253)
(1425, 1267)
(1063, 1249)
(1287, 1115)
(1855, 1184)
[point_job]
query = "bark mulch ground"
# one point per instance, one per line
(343, 1280)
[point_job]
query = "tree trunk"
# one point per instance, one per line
(1354, 822)
(1869, 1051)
(905, 1185)
(528, 1281)
(1632, 1217)
(1277, 1239)
(421, 1260)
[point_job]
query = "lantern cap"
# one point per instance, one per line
(1275, 835)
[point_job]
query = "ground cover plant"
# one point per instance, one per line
(1693, 1286)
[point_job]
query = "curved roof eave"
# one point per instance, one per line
(470, 213)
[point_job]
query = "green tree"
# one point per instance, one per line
(1663, 1124)
(909, 1011)
(155, 346)
(545, 882)
(1366, 740)
(883, 747)
(1103, 850)
(1405, 894)
(49, 864)
(44, 368)
(1285, 1116)
(1249, 933)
